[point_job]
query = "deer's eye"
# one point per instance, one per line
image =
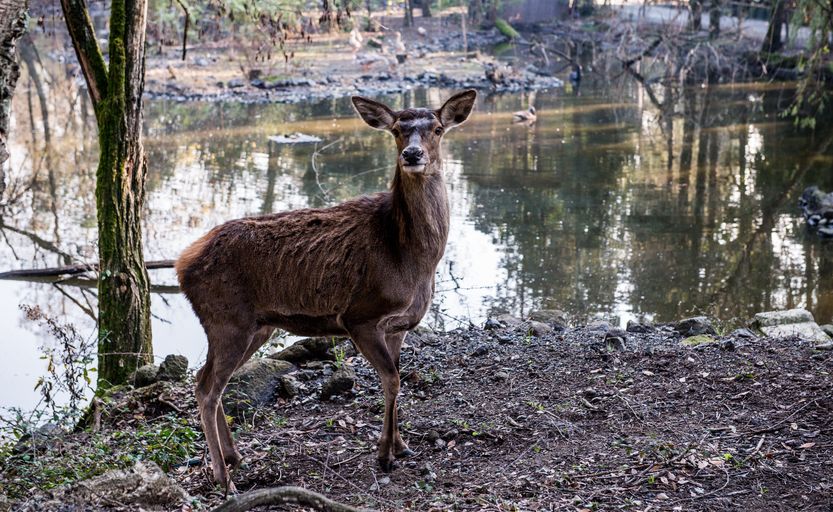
(438, 130)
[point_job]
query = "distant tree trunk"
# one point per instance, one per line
(328, 17)
(475, 12)
(491, 15)
(124, 337)
(12, 26)
(714, 19)
(772, 41)
(426, 8)
(409, 13)
(695, 9)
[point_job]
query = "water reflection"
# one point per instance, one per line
(612, 205)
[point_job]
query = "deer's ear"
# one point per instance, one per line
(457, 109)
(375, 114)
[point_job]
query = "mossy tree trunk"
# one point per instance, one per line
(124, 339)
(12, 27)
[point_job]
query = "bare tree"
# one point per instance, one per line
(115, 88)
(12, 26)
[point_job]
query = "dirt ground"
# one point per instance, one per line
(504, 421)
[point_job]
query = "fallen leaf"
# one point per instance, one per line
(807, 445)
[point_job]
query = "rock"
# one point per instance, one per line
(42, 439)
(828, 329)
(432, 436)
(173, 369)
(639, 327)
(492, 324)
(615, 340)
(422, 330)
(439, 444)
(549, 316)
(290, 386)
(697, 340)
(824, 346)
(307, 349)
(509, 320)
(235, 83)
(480, 350)
(427, 472)
(255, 384)
(505, 339)
(694, 326)
(144, 375)
(255, 74)
(539, 329)
(743, 332)
(598, 325)
(501, 376)
(341, 381)
(144, 485)
(202, 62)
(789, 316)
(789, 323)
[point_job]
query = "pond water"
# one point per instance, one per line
(603, 208)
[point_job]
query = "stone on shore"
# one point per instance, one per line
(539, 329)
(340, 382)
(173, 369)
(144, 486)
(144, 376)
(789, 323)
(255, 384)
(694, 326)
(307, 349)
(549, 316)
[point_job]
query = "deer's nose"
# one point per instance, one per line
(412, 155)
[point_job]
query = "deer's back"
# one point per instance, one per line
(294, 268)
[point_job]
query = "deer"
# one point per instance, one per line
(363, 268)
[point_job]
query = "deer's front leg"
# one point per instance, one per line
(370, 340)
(394, 343)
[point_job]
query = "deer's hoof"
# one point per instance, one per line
(404, 454)
(386, 465)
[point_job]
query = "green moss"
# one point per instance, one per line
(700, 339)
(168, 441)
(506, 29)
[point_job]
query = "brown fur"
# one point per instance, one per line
(364, 268)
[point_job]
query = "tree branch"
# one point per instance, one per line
(187, 24)
(86, 48)
(283, 496)
(72, 270)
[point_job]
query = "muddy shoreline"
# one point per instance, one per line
(516, 415)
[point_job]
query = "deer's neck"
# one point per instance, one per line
(421, 215)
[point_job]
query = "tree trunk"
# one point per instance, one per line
(12, 26)
(124, 337)
(426, 8)
(772, 41)
(476, 12)
(408, 20)
(695, 9)
(714, 19)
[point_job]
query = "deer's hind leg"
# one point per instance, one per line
(231, 456)
(227, 343)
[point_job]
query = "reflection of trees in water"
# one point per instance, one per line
(728, 245)
(551, 205)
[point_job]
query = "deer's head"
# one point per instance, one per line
(418, 131)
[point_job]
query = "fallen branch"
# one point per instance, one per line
(71, 270)
(286, 495)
